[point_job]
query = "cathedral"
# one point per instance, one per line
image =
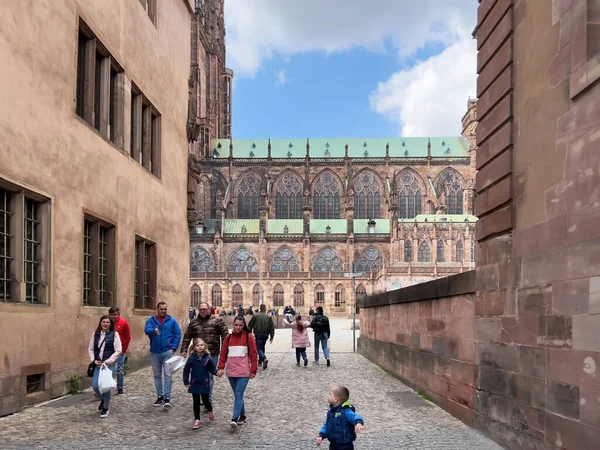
(309, 222)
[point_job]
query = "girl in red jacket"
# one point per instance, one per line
(239, 357)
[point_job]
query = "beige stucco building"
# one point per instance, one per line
(93, 158)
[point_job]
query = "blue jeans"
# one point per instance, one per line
(158, 368)
(238, 385)
(106, 396)
(322, 338)
(261, 342)
(215, 360)
(300, 352)
(120, 372)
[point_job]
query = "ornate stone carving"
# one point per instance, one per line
(194, 173)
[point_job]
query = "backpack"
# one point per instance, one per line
(320, 323)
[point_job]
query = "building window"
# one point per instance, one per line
(328, 260)
(407, 251)
(450, 185)
(288, 196)
(409, 194)
(36, 383)
(237, 295)
(459, 251)
(242, 261)
(327, 197)
(99, 95)
(144, 274)
(367, 197)
(370, 260)
(472, 249)
(424, 254)
(145, 132)
(24, 246)
(195, 296)
(320, 295)
(98, 262)
(201, 261)
(361, 293)
(257, 295)
(278, 296)
(298, 295)
(217, 296)
(339, 300)
(440, 250)
(285, 260)
(247, 195)
(150, 6)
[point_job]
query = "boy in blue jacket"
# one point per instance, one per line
(164, 334)
(342, 422)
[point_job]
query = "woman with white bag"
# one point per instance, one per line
(104, 349)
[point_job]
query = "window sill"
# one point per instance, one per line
(144, 312)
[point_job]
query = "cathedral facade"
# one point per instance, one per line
(286, 221)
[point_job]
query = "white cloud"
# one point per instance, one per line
(280, 78)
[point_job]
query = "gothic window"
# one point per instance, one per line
(440, 250)
(242, 261)
(288, 197)
(201, 261)
(424, 254)
(285, 260)
(257, 295)
(237, 295)
(339, 300)
(278, 296)
(459, 251)
(370, 259)
(327, 197)
(361, 293)
(367, 198)
(320, 295)
(409, 194)
(248, 191)
(450, 183)
(407, 251)
(472, 249)
(195, 296)
(217, 296)
(298, 295)
(328, 260)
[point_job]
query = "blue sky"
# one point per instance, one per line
(307, 73)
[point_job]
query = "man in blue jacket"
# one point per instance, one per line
(164, 334)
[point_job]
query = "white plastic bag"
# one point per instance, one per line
(173, 364)
(106, 382)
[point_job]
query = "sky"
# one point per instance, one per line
(350, 68)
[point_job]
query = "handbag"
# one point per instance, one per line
(90, 369)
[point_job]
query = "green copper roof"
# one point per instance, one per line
(382, 226)
(441, 147)
(319, 226)
(441, 218)
(234, 226)
(277, 226)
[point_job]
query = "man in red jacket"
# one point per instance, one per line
(122, 328)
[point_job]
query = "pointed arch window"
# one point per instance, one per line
(237, 295)
(407, 251)
(248, 192)
(327, 197)
(257, 295)
(409, 194)
(319, 295)
(339, 299)
(242, 261)
(367, 199)
(450, 183)
(217, 296)
(328, 260)
(424, 254)
(459, 251)
(288, 197)
(440, 250)
(278, 296)
(369, 260)
(195, 296)
(285, 260)
(298, 295)
(361, 293)
(200, 261)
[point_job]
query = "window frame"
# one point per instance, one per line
(145, 141)
(145, 274)
(99, 262)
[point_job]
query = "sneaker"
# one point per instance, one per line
(103, 413)
(241, 420)
(167, 402)
(265, 364)
(120, 392)
(196, 425)
(328, 363)
(211, 416)
(305, 362)
(233, 424)
(158, 402)
(100, 406)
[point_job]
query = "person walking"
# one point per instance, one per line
(212, 330)
(104, 349)
(195, 377)
(239, 357)
(320, 325)
(191, 313)
(342, 422)
(264, 329)
(164, 334)
(300, 340)
(121, 327)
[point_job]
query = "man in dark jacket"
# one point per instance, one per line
(264, 328)
(211, 329)
(320, 325)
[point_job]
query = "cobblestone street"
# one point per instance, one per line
(286, 406)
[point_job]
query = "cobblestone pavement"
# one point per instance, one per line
(285, 405)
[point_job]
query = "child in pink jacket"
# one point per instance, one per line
(300, 339)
